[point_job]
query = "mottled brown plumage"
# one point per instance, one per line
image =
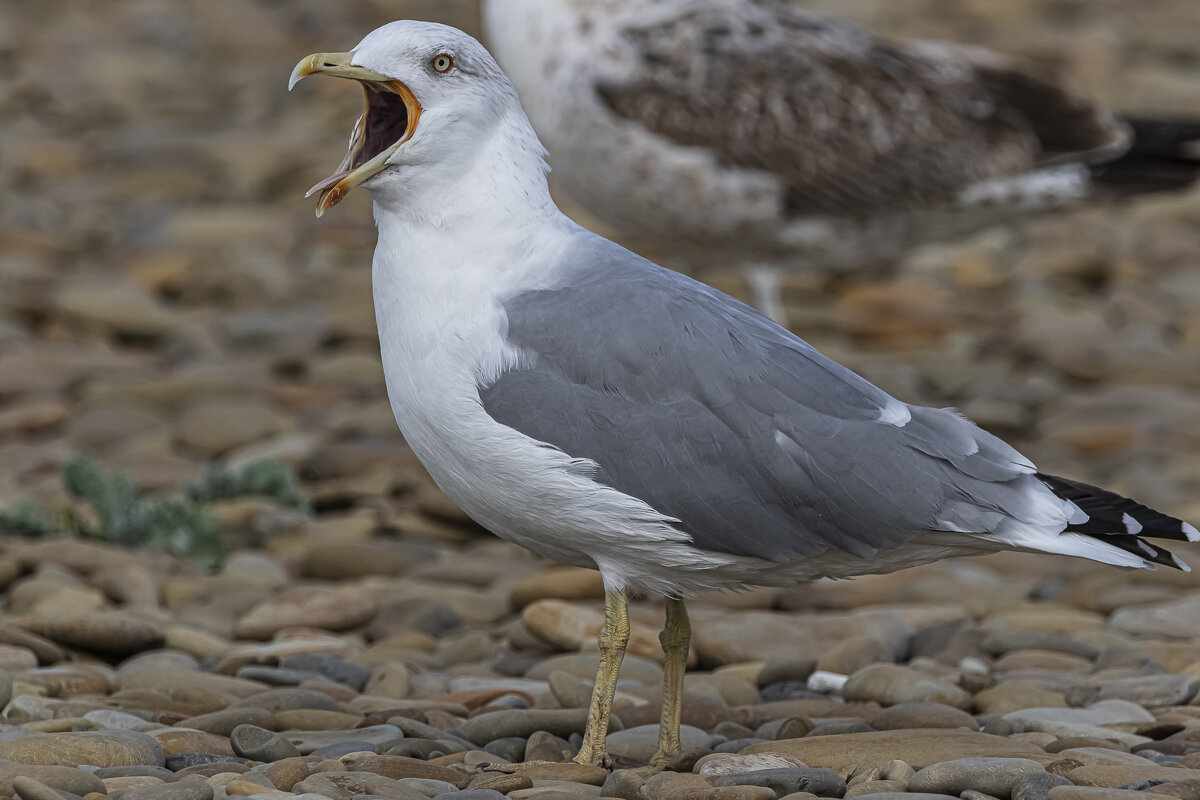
(853, 123)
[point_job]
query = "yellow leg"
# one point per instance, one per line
(675, 637)
(613, 638)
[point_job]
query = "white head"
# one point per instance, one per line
(436, 103)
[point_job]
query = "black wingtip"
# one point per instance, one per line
(1163, 156)
(1122, 522)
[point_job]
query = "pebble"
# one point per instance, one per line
(892, 684)
(994, 776)
(839, 752)
(251, 741)
(638, 744)
(486, 727)
(785, 780)
(922, 715)
(99, 748)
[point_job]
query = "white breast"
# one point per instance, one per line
(439, 306)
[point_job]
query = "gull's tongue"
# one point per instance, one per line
(330, 181)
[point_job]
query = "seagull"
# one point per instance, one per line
(606, 412)
(754, 133)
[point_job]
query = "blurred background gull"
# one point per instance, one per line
(757, 133)
(166, 300)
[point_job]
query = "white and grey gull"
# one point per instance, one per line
(756, 134)
(600, 410)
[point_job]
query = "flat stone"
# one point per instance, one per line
(855, 652)
(98, 748)
(485, 727)
(638, 744)
(213, 427)
(181, 789)
(1176, 619)
(121, 307)
(1101, 793)
(185, 740)
(545, 746)
(730, 763)
(1115, 776)
(994, 776)
(288, 699)
(314, 719)
(570, 627)
(223, 722)
(1009, 696)
(840, 752)
(584, 665)
(922, 715)
(625, 784)
(1105, 712)
(427, 786)
(558, 583)
(109, 632)
(399, 767)
(723, 793)
(331, 666)
(308, 741)
(333, 609)
(346, 785)
(259, 744)
(785, 780)
(286, 773)
(113, 720)
(68, 779)
(501, 783)
(891, 684)
(1151, 690)
(568, 771)
(1037, 785)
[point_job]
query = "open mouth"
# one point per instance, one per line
(389, 121)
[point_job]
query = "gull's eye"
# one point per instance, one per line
(442, 62)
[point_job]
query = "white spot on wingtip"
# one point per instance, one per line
(1190, 532)
(895, 413)
(1132, 526)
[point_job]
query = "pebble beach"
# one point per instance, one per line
(168, 302)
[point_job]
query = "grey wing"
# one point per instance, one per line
(715, 416)
(850, 122)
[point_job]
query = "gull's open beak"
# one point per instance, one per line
(389, 121)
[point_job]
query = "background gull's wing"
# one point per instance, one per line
(850, 122)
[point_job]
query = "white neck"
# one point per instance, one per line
(453, 248)
(504, 177)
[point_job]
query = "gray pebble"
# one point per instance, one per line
(285, 699)
(427, 786)
(339, 749)
(625, 784)
(786, 780)
(1037, 786)
(994, 776)
(510, 748)
(331, 667)
(260, 744)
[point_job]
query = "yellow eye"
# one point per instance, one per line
(442, 62)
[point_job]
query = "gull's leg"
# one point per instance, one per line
(766, 291)
(613, 638)
(675, 637)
